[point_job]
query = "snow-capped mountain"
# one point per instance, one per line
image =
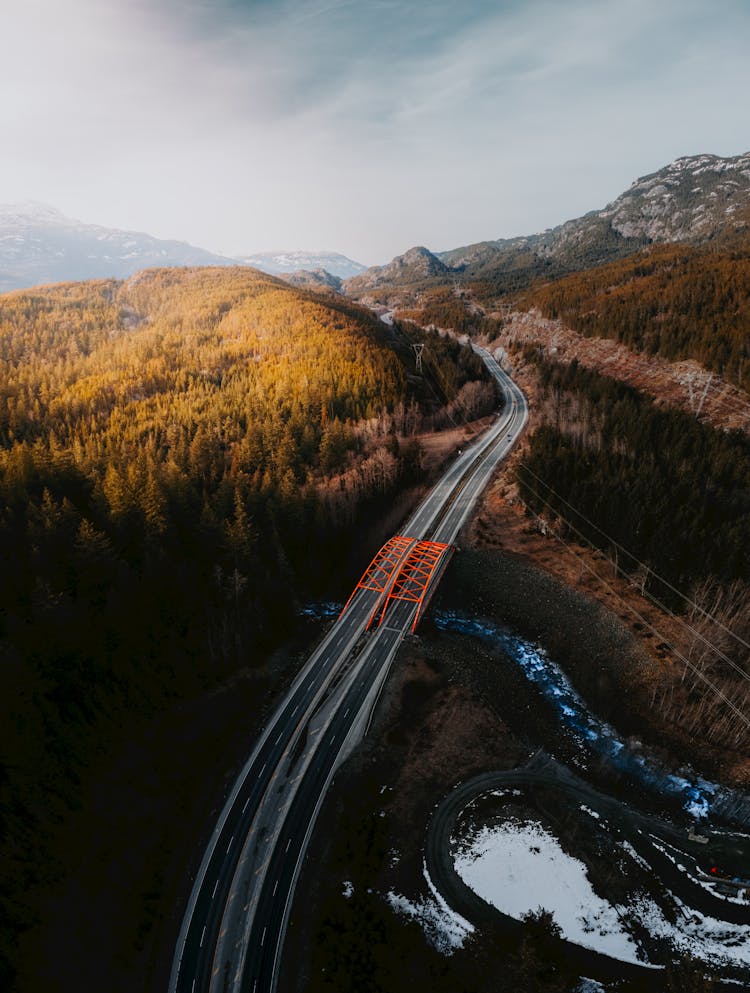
(39, 244)
(281, 263)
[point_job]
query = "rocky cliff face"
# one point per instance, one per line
(692, 199)
(695, 199)
(414, 266)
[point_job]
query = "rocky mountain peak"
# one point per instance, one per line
(413, 266)
(688, 200)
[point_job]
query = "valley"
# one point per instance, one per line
(190, 455)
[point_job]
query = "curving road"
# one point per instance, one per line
(646, 834)
(235, 920)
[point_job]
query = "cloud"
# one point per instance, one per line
(364, 126)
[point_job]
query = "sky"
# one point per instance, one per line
(359, 126)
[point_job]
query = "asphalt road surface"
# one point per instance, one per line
(234, 924)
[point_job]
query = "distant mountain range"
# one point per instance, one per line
(281, 263)
(39, 244)
(697, 199)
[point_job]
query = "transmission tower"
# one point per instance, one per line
(418, 349)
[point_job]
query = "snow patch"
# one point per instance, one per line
(519, 867)
(443, 928)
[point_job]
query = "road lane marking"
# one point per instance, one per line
(203, 935)
(230, 844)
(263, 937)
(246, 803)
(263, 769)
(215, 886)
(275, 887)
(287, 845)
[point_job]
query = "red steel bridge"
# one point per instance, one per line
(405, 569)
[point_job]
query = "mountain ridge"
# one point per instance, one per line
(694, 199)
(39, 244)
(290, 262)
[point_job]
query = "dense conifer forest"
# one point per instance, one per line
(673, 301)
(667, 499)
(672, 490)
(181, 456)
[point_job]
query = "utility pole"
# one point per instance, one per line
(418, 349)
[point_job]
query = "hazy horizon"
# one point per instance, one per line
(360, 128)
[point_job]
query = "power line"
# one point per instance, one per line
(720, 693)
(643, 565)
(445, 402)
(662, 606)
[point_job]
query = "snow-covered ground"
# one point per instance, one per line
(443, 927)
(519, 866)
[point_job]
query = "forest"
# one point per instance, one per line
(671, 300)
(667, 499)
(182, 457)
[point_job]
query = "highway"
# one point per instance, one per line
(234, 924)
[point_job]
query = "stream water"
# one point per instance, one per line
(699, 797)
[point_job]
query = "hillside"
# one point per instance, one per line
(314, 279)
(182, 455)
(411, 271)
(695, 200)
(675, 302)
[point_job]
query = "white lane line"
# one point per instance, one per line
(263, 769)
(347, 711)
(246, 803)
(230, 843)
(192, 988)
(287, 845)
(203, 935)
(279, 738)
(215, 888)
(263, 936)
(275, 887)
